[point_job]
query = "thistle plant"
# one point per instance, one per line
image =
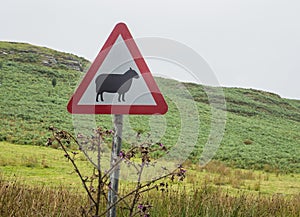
(138, 156)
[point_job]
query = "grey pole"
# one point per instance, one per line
(114, 177)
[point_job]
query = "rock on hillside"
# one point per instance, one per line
(26, 53)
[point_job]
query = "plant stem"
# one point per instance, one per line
(136, 194)
(100, 184)
(76, 169)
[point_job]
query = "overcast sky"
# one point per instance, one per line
(248, 43)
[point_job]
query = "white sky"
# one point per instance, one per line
(248, 43)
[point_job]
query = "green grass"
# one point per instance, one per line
(35, 165)
(19, 200)
(262, 129)
(38, 181)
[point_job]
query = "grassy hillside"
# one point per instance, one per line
(262, 129)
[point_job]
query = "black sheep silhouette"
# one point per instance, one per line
(115, 83)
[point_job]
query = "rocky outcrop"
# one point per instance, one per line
(43, 56)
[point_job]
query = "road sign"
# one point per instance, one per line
(118, 81)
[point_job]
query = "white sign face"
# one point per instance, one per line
(115, 83)
(118, 81)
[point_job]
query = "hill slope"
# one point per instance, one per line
(262, 129)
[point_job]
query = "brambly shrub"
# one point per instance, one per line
(101, 185)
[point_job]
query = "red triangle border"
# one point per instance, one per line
(161, 106)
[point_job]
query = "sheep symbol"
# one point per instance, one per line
(115, 83)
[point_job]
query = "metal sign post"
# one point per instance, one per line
(101, 79)
(114, 177)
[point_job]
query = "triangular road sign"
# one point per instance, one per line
(118, 81)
